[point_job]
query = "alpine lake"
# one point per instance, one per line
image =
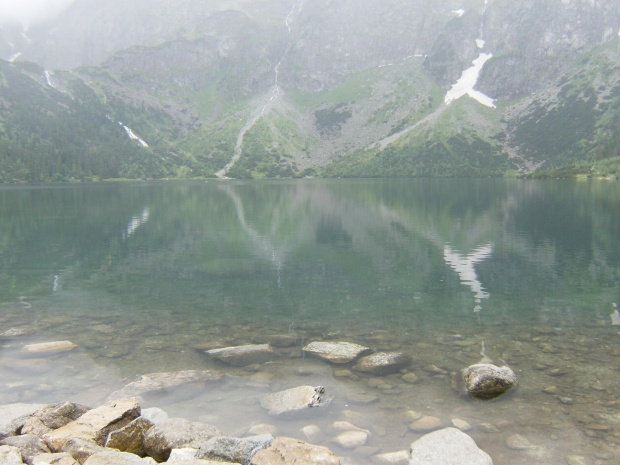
(144, 277)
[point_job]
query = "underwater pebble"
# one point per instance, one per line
(426, 424)
(518, 442)
(461, 424)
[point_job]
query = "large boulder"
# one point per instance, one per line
(383, 363)
(29, 446)
(448, 446)
(158, 382)
(130, 438)
(287, 451)
(487, 381)
(96, 424)
(176, 433)
(233, 449)
(53, 417)
(294, 400)
(243, 355)
(13, 417)
(336, 352)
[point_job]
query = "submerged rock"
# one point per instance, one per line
(16, 332)
(295, 400)
(43, 348)
(336, 352)
(383, 363)
(243, 355)
(448, 446)
(157, 382)
(287, 451)
(486, 381)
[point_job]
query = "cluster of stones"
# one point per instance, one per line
(120, 433)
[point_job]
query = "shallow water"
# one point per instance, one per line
(143, 277)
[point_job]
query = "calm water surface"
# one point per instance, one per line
(143, 277)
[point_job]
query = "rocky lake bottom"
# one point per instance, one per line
(565, 408)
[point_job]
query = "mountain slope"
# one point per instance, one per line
(349, 88)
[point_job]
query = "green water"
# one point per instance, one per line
(140, 276)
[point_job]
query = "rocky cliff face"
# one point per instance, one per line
(307, 83)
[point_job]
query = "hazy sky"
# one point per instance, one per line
(30, 11)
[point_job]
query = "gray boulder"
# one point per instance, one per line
(336, 352)
(294, 400)
(287, 451)
(176, 433)
(234, 449)
(383, 363)
(53, 417)
(13, 417)
(486, 381)
(29, 446)
(243, 355)
(448, 446)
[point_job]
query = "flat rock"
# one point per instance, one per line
(96, 424)
(448, 446)
(351, 439)
(48, 348)
(53, 417)
(29, 446)
(243, 355)
(518, 442)
(294, 400)
(336, 352)
(61, 458)
(157, 382)
(400, 457)
(10, 455)
(13, 417)
(114, 457)
(233, 449)
(383, 363)
(486, 381)
(130, 438)
(287, 451)
(175, 433)
(426, 424)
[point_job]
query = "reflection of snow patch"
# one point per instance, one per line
(465, 85)
(615, 318)
(464, 266)
(136, 222)
(15, 56)
(480, 43)
(460, 12)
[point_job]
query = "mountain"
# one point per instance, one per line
(279, 88)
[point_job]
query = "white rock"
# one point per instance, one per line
(448, 446)
(243, 355)
(43, 348)
(10, 455)
(336, 352)
(400, 457)
(294, 400)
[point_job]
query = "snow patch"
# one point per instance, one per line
(480, 43)
(14, 57)
(465, 85)
(133, 136)
(48, 78)
(460, 12)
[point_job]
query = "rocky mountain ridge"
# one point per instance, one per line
(283, 88)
